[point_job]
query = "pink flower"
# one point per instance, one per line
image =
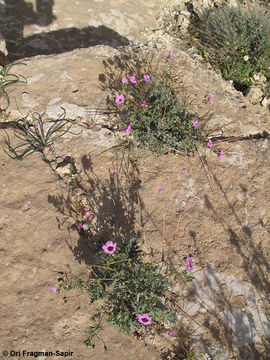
(120, 99)
(37, 123)
(184, 170)
(114, 174)
(91, 126)
(133, 79)
(196, 124)
(211, 100)
(109, 247)
(221, 155)
(171, 334)
(209, 144)
(124, 80)
(89, 217)
(63, 156)
(143, 104)
(127, 129)
(160, 191)
(147, 78)
(170, 56)
(88, 166)
(80, 225)
(189, 263)
(84, 209)
(54, 290)
(144, 319)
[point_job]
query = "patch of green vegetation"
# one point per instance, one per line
(236, 41)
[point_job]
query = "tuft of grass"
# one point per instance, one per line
(34, 135)
(7, 79)
(236, 41)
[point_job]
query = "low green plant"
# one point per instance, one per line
(7, 79)
(34, 135)
(152, 106)
(235, 40)
(135, 293)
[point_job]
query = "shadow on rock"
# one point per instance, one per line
(15, 14)
(230, 311)
(100, 210)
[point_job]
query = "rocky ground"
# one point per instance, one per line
(217, 212)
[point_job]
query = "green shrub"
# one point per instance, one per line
(128, 287)
(150, 102)
(236, 41)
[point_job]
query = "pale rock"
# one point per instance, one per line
(72, 111)
(233, 3)
(266, 102)
(3, 51)
(63, 171)
(255, 95)
(28, 101)
(260, 78)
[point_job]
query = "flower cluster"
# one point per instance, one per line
(120, 99)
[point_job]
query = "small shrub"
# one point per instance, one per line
(135, 294)
(151, 105)
(157, 118)
(236, 41)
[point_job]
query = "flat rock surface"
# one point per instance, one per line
(217, 211)
(46, 26)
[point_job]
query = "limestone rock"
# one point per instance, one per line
(266, 102)
(63, 171)
(260, 78)
(255, 95)
(3, 51)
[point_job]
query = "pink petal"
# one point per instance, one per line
(211, 100)
(54, 290)
(63, 156)
(196, 124)
(160, 191)
(133, 79)
(147, 78)
(221, 155)
(184, 169)
(127, 129)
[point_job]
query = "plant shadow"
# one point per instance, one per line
(102, 210)
(232, 317)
